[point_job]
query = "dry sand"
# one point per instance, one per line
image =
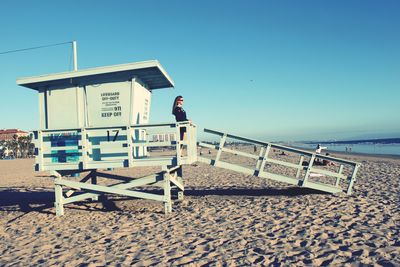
(226, 219)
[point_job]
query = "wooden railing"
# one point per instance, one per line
(304, 170)
(112, 147)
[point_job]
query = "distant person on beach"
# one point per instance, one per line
(319, 148)
(323, 162)
(326, 162)
(180, 114)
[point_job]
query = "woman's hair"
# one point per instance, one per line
(175, 102)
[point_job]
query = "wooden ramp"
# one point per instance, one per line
(280, 163)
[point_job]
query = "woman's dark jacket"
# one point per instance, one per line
(180, 114)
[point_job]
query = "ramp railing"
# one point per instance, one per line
(281, 163)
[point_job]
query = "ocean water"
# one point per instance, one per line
(384, 149)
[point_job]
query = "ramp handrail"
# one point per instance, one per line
(263, 159)
(282, 147)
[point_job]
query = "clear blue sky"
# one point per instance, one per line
(272, 70)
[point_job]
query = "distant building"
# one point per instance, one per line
(163, 137)
(8, 134)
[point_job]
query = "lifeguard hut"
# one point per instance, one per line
(98, 119)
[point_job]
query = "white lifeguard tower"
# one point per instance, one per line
(98, 119)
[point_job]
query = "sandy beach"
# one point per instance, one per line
(226, 219)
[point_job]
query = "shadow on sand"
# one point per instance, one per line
(43, 201)
(252, 192)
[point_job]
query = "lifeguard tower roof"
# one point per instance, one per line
(150, 72)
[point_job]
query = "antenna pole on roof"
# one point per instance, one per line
(75, 56)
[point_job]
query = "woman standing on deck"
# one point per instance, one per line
(180, 113)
